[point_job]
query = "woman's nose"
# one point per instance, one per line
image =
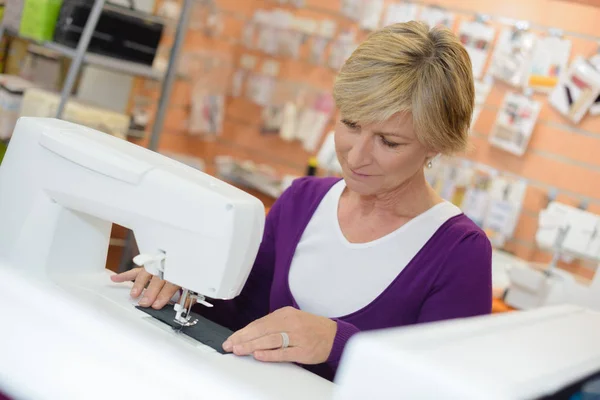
(360, 152)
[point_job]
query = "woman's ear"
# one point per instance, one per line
(432, 155)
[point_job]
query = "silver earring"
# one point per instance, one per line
(429, 164)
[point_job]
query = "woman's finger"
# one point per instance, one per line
(154, 288)
(289, 354)
(268, 342)
(140, 283)
(254, 330)
(165, 295)
(125, 276)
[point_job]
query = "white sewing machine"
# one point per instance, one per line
(68, 332)
(61, 188)
(565, 231)
(537, 354)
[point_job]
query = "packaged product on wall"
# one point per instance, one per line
(342, 48)
(210, 74)
(261, 85)
(272, 119)
(249, 32)
(370, 14)
(477, 197)
(246, 173)
(351, 8)
(315, 121)
(514, 123)
(275, 115)
(247, 64)
(400, 12)
(434, 16)
(595, 108)
(269, 25)
(506, 202)
(482, 89)
(327, 157)
(289, 118)
(576, 90)
(477, 37)
(548, 61)
(204, 17)
(512, 55)
(323, 36)
(294, 36)
(455, 181)
(207, 112)
(313, 113)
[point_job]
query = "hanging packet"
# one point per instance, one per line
(477, 38)
(548, 61)
(514, 123)
(576, 90)
(512, 55)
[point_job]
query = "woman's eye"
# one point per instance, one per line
(353, 126)
(388, 143)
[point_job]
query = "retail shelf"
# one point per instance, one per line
(139, 14)
(107, 62)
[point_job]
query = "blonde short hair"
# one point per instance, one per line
(409, 67)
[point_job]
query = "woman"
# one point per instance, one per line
(378, 248)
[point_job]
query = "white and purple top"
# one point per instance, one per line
(437, 266)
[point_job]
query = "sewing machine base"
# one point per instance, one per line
(201, 360)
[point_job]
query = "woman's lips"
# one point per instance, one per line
(359, 174)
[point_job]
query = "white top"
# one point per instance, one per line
(332, 277)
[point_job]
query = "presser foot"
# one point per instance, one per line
(183, 308)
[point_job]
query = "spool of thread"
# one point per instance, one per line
(311, 169)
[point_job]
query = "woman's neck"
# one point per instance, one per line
(408, 200)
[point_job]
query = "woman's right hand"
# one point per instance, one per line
(158, 293)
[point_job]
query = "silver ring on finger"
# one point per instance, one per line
(285, 340)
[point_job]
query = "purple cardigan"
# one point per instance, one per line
(450, 277)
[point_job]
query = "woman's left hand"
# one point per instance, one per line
(310, 337)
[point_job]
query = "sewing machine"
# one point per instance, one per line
(68, 332)
(566, 232)
(62, 188)
(546, 353)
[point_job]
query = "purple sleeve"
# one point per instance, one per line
(463, 287)
(253, 301)
(345, 330)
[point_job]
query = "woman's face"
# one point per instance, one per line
(380, 157)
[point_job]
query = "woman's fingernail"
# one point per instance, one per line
(227, 346)
(157, 303)
(135, 292)
(144, 301)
